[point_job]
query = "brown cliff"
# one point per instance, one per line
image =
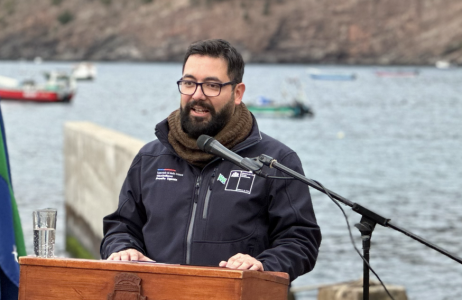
(308, 31)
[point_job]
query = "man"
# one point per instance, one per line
(184, 206)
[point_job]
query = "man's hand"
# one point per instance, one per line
(129, 254)
(242, 262)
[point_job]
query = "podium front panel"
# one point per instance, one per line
(67, 279)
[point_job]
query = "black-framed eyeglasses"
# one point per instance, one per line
(209, 89)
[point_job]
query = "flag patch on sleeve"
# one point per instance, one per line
(222, 179)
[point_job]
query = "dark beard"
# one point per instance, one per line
(196, 126)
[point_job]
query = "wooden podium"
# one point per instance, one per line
(65, 279)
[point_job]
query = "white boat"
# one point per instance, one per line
(84, 71)
(443, 65)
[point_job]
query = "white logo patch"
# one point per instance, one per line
(168, 175)
(240, 181)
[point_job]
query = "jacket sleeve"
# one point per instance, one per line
(123, 228)
(294, 234)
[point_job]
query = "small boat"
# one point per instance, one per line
(317, 74)
(397, 73)
(59, 87)
(444, 65)
(84, 71)
(294, 110)
(294, 105)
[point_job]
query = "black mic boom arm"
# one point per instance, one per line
(363, 211)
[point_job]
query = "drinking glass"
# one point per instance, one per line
(44, 221)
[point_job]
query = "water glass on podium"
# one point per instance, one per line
(44, 221)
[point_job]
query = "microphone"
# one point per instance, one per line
(210, 145)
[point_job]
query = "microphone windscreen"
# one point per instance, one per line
(202, 141)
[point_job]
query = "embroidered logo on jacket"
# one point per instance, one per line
(167, 174)
(240, 181)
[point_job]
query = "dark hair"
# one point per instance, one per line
(219, 48)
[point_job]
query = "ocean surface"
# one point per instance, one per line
(392, 144)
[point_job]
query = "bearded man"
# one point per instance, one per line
(180, 205)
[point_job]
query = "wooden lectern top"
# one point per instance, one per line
(60, 278)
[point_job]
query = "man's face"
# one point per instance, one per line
(201, 114)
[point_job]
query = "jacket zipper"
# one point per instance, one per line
(196, 196)
(191, 221)
(207, 196)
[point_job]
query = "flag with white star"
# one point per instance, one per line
(11, 237)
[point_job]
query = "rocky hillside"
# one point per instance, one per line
(334, 31)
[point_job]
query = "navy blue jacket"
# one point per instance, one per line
(177, 213)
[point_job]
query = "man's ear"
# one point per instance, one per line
(239, 90)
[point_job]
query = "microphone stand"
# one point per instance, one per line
(366, 225)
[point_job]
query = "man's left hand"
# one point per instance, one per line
(242, 262)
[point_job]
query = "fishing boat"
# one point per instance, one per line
(59, 87)
(294, 104)
(397, 73)
(444, 65)
(293, 110)
(317, 74)
(84, 71)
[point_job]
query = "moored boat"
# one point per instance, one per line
(444, 65)
(397, 73)
(84, 71)
(59, 87)
(294, 106)
(295, 110)
(318, 74)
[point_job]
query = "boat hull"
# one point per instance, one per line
(333, 77)
(284, 111)
(396, 74)
(35, 95)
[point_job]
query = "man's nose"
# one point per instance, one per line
(198, 94)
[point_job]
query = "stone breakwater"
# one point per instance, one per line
(295, 31)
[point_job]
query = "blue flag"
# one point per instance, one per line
(11, 238)
(9, 267)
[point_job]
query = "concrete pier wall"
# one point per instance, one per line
(96, 161)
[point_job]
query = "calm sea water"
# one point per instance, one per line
(391, 144)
